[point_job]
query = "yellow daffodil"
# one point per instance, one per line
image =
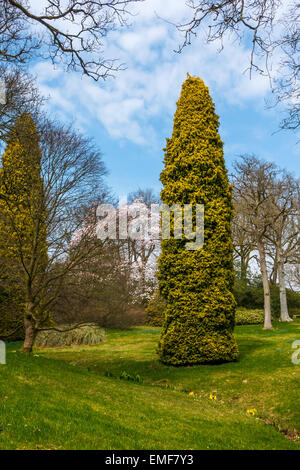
(252, 412)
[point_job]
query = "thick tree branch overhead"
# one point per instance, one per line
(271, 27)
(71, 32)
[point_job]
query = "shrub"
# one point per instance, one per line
(87, 334)
(293, 301)
(155, 310)
(249, 317)
(11, 317)
(252, 297)
(248, 296)
(10, 324)
(294, 311)
(197, 284)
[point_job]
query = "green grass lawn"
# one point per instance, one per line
(74, 398)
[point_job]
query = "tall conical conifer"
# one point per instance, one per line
(23, 246)
(198, 284)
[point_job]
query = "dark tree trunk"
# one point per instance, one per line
(30, 330)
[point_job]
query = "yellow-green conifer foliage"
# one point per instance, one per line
(198, 285)
(23, 247)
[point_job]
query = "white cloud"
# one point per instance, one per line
(149, 88)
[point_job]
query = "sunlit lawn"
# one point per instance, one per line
(74, 398)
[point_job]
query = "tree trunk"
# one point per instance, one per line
(275, 269)
(284, 313)
(266, 286)
(30, 330)
(243, 270)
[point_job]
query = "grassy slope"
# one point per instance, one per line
(61, 399)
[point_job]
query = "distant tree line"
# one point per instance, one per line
(266, 227)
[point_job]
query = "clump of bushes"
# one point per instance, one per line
(249, 317)
(251, 296)
(157, 305)
(83, 335)
(11, 324)
(155, 310)
(11, 316)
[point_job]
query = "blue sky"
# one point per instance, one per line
(131, 115)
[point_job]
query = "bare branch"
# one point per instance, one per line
(272, 28)
(72, 33)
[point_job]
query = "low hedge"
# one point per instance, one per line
(252, 297)
(249, 317)
(156, 307)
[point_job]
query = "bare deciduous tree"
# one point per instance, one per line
(99, 290)
(254, 185)
(272, 28)
(71, 32)
(72, 176)
(243, 243)
(283, 233)
(19, 94)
